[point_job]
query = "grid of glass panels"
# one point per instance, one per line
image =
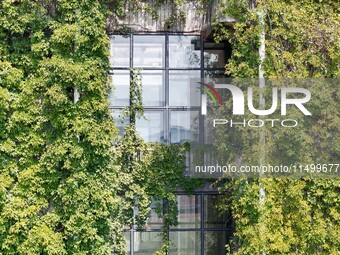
(202, 228)
(168, 63)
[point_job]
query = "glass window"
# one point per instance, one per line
(120, 120)
(189, 212)
(212, 75)
(185, 243)
(213, 218)
(214, 55)
(153, 88)
(183, 88)
(151, 128)
(127, 240)
(171, 96)
(214, 242)
(147, 243)
(183, 126)
(185, 238)
(155, 222)
(184, 51)
(149, 51)
(120, 94)
(120, 51)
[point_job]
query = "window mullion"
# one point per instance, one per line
(166, 112)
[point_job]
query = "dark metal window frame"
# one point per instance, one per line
(166, 128)
(228, 228)
(167, 108)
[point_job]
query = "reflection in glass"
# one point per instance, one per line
(128, 240)
(155, 222)
(213, 218)
(148, 51)
(183, 88)
(185, 243)
(120, 51)
(120, 94)
(184, 51)
(183, 126)
(214, 242)
(151, 128)
(214, 59)
(213, 76)
(147, 243)
(153, 88)
(214, 55)
(120, 121)
(189, 211)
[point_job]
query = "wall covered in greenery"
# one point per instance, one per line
(67, 182)
(296, 216)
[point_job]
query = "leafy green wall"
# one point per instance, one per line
(67, 182)
(297, 216)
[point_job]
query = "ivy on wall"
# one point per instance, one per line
(149, 172)
(67, 182)
(297, 216)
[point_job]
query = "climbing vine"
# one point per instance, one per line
(149, 172)
(68, 182)
(297, 216)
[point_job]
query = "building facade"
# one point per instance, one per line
(167, 61)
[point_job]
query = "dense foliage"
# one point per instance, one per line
(57, 176)
(149, 172)
(296, 216)
(67, 182)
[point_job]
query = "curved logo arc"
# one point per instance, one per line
(212, 90)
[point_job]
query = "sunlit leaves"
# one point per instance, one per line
(297, 216)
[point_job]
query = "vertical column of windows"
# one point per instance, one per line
(169, 63)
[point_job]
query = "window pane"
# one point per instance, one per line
(185, 243)
(183, 88)
(213, 218)
(127, 240)
(183, 126)
(149, 51)
(119, 96)
(184, 51)
(147, 243)
(155, 222)
(215, 76)
(120, 51)
(214, 55)
(214, 242)
(120, 121)
(153, 88)
(151, 128)
(189, 212)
